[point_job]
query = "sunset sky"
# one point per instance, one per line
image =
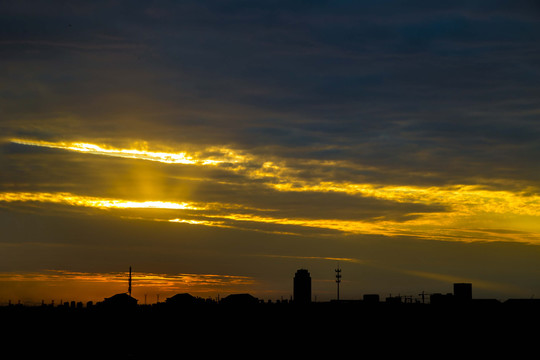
(216, 147)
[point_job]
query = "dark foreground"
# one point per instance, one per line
(318, 330)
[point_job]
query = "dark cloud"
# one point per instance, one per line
(379, 84)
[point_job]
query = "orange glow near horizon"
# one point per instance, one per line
(116, 282)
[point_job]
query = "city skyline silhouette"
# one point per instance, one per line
(120, 327)
(301, 294)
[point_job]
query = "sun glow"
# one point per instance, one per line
(458, 212)
(280, 177)
(92, 283)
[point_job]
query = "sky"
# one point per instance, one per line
(216, 147)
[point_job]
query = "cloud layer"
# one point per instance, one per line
(310, 126)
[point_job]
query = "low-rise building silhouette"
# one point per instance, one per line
(183, 299)
(393, 300)
(122, 300)
(371, 298)
(441, 299)
(240, 299)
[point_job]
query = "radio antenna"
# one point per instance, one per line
(129, 282)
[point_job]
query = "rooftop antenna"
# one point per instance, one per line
(129, 281)
(423, 294)
(338, 280)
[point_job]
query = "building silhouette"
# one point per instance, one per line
(240, 299)
(302, 287)
(463, 292)
(181, 299)
(122, 300)
(371, 298)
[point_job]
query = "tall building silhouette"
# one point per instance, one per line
(302, 287)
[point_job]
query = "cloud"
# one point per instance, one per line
(318, 122)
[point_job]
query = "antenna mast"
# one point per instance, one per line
(129, 281)
(338, 279)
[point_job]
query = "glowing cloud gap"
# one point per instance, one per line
(445, 225)
(229, 156)
(466, 212)
(359, 227)
(463, 198)
(107, 203)
(88, 201)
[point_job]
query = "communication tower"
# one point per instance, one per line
(338, 279)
